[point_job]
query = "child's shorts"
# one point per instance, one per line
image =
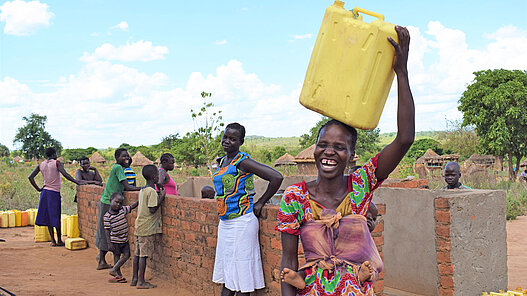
(144, 245)
(121, 248)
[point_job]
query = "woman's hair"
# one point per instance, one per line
(351, 130)
(237, 127)
(165, 157)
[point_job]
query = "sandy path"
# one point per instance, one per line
(28, 268)
(517, 252)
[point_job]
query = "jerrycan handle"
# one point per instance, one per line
(356, 11)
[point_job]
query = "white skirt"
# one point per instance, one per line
(238, 264)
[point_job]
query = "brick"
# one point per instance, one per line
(379, 241)
(443, 244)
(446, 269)
(441, 203)
(382, 208)
(447, 282)
(379, 228)
(443, 230)
(442, 216)
(276, 244)
(411, 184)
(378, 287)
(443, 257)
(446, 292)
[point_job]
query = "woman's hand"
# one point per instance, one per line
(401, 50)
(257, 209)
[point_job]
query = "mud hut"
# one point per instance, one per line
(140, 160)
(523, 164)
(481, 160)
(285, 160)
(97, 158)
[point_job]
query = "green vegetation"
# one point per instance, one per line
(34, 138)
(495, 104)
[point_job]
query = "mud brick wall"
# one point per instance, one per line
(185, 251)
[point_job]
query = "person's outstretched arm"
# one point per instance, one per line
(60, 167)
(32, 176)
(267, 173)
(289, 260)
(128, 187)
(392, 154)
(97, 177)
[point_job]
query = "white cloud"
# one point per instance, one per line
(138, 51)
(221, 42)
(305, 36)
(121, 26)
(24, 18)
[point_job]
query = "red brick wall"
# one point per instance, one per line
(443, 246)
(415, 183)
(185, 252)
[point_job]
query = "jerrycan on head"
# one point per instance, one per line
(351, 68)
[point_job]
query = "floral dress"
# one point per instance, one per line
(296, 208)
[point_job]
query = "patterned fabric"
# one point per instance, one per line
(296, 209)
(234, 189)
(118, 225)
(130, 175)
(461, 186)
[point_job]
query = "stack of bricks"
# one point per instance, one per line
(414, 183)
(378, 238)
(184, 253)
(443, 246)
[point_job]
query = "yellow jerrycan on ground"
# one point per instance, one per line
(351, 68)
(73, 226)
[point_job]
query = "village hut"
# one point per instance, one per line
(524, 164)
(285, 160)
(305, 161)
(97, 158)
(482, 160)
(420, 164)
(18, 159)
(140, 160)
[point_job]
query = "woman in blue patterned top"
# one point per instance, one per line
(238, 265)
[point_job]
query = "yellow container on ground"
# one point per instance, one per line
(18, 218)
(350, 72)
(514, 293)
(77, 243)
(42, 234)
(4, 220)
(64, 224)
(73, 226)
(32, 216)
(11, 219)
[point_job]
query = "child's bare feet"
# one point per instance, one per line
(365, 272)
(293, 278)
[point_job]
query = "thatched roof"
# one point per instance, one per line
(158, 160)
(428, 154)
(286, 159)
(306, 155)
(478, 158)
(18, 159)
(524, 163)
(97, 158)
(140, 160)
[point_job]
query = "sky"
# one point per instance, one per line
(112, 72)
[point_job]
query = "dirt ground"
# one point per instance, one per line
(28, 268)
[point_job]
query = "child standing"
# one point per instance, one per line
(116, 183)
(49, 206)
(147, 225)
(116, 228)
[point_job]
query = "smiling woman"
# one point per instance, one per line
(329, 213)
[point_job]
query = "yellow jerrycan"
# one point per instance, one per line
(42, 234)
(4, 219)
(351, 68)
(73, 226)
(64, 224)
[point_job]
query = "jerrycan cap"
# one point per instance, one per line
(338, 3)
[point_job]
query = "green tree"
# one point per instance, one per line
(420, 146)
(277, 152)
(34, 138)
(367, 140)
(206, 136)
(78, 153)
(459, 139)
(495, 103)
(4, 151)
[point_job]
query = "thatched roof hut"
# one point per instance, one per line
(306, 155)
(487, 160)
(524, 164)
(140, 160)
(18, 159)
(286, 159)
(97, 158)
(429, 153)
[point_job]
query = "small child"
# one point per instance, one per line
(208, 192)
(116, 228)
(147, 225)
(49, 206)
(129, 173)
(452, 175)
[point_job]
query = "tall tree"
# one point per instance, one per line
(495, 103)
(367, 140)
(459, 139)
(34, 138)
(4, 151)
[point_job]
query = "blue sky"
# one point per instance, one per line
(108, 72)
